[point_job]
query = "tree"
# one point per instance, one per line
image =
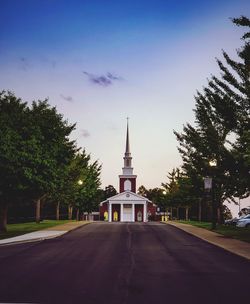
(170, 188)
(222, 112)
(52, 150)
(34, 150)
(109, 191)
(13, 130)
(87, 195)
(142, 191)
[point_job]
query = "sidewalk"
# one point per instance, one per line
(48, 233)
(235, 246)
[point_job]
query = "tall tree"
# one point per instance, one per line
(88, 189)
(222, 113)
(53, 150)
(13, 133)
(34, 149)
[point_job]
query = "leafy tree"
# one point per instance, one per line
(51, 153)
(34, 150)
(109, 191)
(170, 188)
(227, 213)
(222, 113)
(172, 185)
(88, 190)
(13, 133)
(155, 195)
(142, 191)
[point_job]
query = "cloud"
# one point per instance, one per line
(102, 80)
(67, 98)
(85, 133)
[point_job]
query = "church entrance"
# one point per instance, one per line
(127, 213)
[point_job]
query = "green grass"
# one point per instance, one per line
(22, 228)
(242, 234)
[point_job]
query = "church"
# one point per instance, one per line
(127, 206)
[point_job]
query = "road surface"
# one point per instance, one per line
(123, 263)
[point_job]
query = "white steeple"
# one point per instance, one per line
(127, 169)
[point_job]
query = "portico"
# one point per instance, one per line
(127, 207)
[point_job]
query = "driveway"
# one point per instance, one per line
(122, 263)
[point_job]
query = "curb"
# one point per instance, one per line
(46, 237)
(236, 252)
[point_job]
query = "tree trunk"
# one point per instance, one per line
(220, 214)
(177, 213)
(77, 214)
(3, 217)
(171, 213)
(199, 212)
(58, 211)
(187, 209)
(38, 211)
(69, 212)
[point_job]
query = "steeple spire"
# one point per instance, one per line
(127, 178)
(127, 151)
(127, 169)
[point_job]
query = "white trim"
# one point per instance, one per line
(145, 213)
(127, 176)
(110, 212)
(121, 213)
(133, 212)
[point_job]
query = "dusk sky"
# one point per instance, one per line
(101, 61)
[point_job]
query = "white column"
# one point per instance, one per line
(133, 212)
(121, 213)
(145, 212)
(110, 212)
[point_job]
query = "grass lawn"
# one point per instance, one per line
(18, 229)
(242, 234)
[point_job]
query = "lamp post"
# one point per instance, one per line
(79, 182)
(209, 186)
(164, 193)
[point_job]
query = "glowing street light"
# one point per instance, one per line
(213, 163)
(80, 182)
(164, 192)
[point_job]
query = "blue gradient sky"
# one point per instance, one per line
(161, 52)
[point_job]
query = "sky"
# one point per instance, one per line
(101, 61)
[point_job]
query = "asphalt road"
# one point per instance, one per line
(123, 263)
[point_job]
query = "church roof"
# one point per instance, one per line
(126, 196)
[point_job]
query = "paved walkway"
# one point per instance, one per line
(48, 233)
(235, 246)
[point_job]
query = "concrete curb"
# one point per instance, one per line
(30, 237)
(232, 245)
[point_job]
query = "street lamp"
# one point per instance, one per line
(164, 192)
(208, 186)
(80, 182)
